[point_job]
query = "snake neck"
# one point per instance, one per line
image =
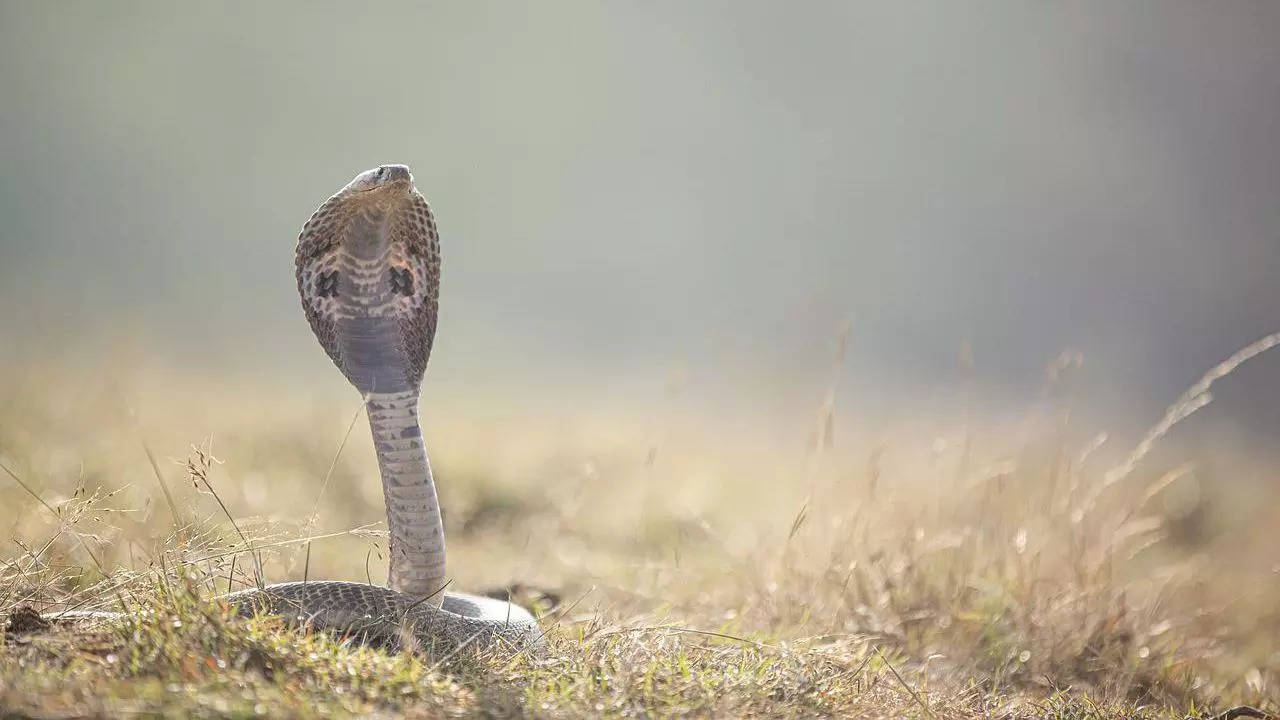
(413, 512)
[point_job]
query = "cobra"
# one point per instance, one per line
(368, 272)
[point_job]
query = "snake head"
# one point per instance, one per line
(393, 178)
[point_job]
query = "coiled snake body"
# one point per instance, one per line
(368, 271)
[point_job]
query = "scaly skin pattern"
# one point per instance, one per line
(413, 515)
(384, 617)
(368, 273)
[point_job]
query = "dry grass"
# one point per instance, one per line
(692, 574)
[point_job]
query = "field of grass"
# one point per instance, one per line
(970, 571)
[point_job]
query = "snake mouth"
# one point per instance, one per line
(384, 180)
(402, 183)
(385, 191)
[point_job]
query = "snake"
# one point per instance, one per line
(367, 265)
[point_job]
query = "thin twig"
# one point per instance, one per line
(543, 631)
(1193, 399)
(62, 522)
(306, 566)
(436, 665)
(282, 543)
(164, 486)
(923, 705)
(677, 630)
(259, 578)
(315, 508)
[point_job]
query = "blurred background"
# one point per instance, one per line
(742, 300)
(656, 213)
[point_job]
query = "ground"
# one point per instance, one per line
(981, 573)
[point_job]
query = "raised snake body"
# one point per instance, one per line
(368, 271)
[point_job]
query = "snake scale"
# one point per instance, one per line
(368, 272)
